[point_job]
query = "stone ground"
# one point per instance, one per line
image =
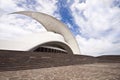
(95, 71)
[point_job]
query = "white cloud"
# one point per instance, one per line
(100, 23)
(47, 6)
(12, 26)
(97, 47)
(98, 16)
(9, 6)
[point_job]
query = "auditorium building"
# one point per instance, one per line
(57, 39)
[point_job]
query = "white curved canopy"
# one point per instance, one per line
(33, 41)
(54, 25)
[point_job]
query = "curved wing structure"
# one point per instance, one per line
(33, 41)
(54, 25)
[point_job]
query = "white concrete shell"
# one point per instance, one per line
(54, 25)
(32, 41)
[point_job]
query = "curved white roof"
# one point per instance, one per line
(54, 25)
(30, 41)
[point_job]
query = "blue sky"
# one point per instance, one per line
(94, 23)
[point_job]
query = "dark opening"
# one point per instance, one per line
(44, 49)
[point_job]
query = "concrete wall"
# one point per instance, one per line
(20, 60)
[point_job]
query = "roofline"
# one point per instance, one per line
(54, 25)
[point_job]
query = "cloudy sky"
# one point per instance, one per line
(94, 23)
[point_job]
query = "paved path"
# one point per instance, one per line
(96, 71)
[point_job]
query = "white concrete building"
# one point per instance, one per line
(57, 39)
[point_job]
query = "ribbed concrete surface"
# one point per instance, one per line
(96, 71)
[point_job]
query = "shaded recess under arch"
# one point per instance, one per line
(53, 46)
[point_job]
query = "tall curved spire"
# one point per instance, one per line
(54, 25)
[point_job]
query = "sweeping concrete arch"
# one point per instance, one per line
(54, 25)
(31, 42)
